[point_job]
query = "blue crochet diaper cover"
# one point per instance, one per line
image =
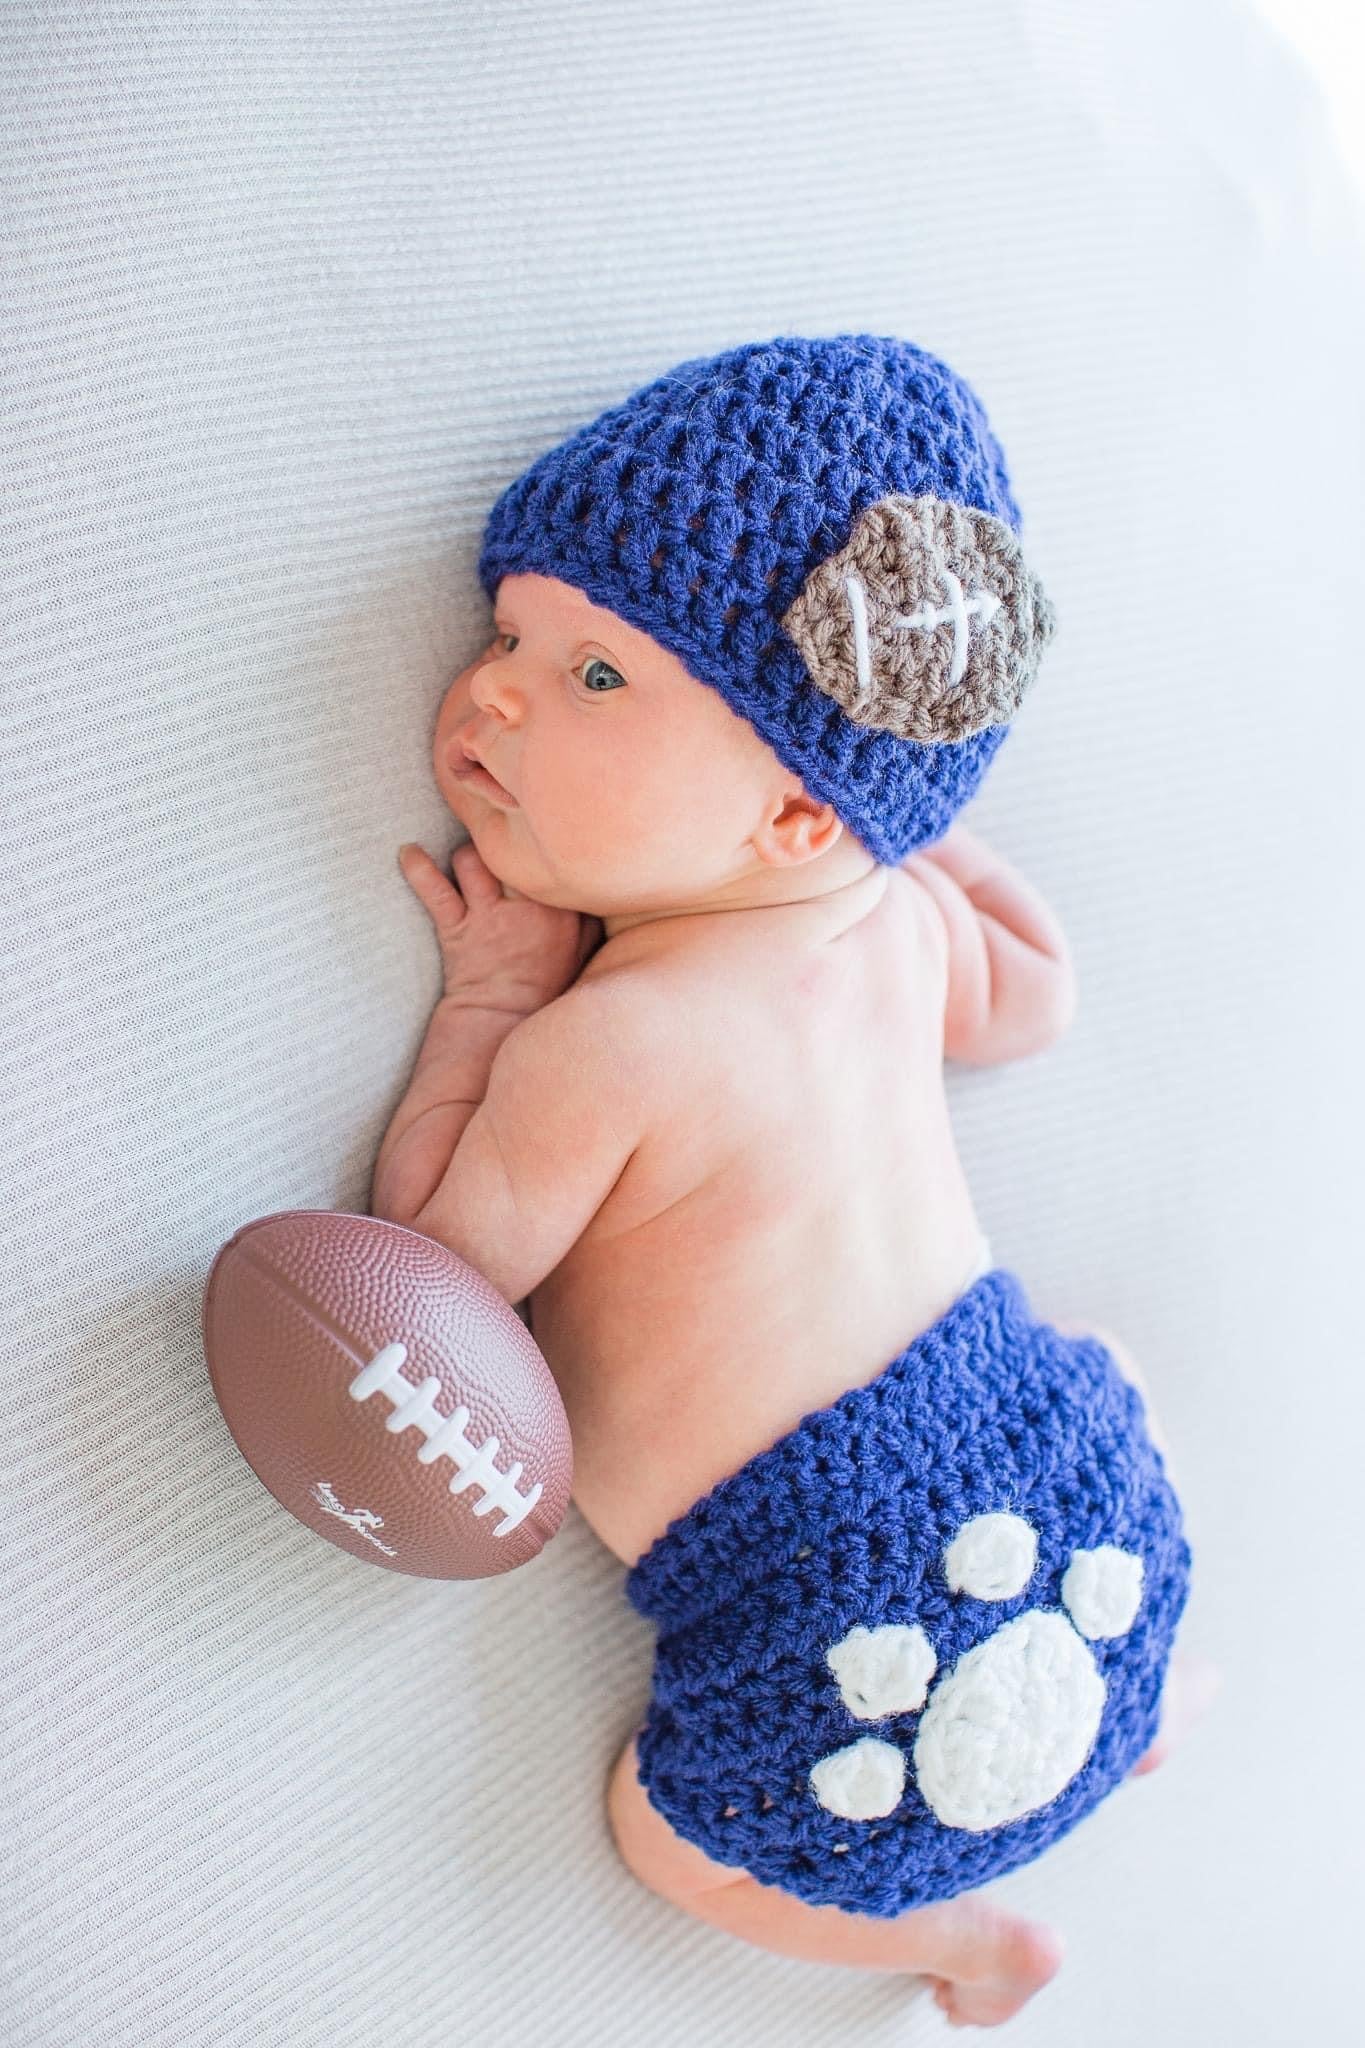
(925, 1633)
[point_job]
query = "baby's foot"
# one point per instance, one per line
(1191, 1685)
(999, 1973)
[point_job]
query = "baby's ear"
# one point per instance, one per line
(801, 827)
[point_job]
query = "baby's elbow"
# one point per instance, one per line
(1034, 1012)
(1054, 1004)
(1061, 1006)
(1010, 1014)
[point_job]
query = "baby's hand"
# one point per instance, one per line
(499, 950)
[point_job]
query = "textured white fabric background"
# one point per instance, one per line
(289, 292)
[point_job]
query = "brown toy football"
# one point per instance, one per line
(386, 1394)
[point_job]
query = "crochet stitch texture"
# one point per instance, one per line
(701, 508)
(875, 1526)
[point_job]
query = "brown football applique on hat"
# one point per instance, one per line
(927, 623)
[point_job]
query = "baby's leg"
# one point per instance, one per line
(984, 1963)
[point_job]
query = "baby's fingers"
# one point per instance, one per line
(475, 877)
(437, 894)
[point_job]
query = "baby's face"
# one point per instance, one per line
(633, 786)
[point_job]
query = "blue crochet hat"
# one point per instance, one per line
(823, 532)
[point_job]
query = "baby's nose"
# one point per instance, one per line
(491, 690)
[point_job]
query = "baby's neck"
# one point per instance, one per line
(847, 897)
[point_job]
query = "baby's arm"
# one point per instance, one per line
(1011, 985)
(563, 1111)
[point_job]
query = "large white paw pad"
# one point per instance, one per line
(883, 1670)
(1009, 1727)
(1102, 1590)
(862, 1782)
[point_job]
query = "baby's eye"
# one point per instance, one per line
(605, 669)
(499, 637)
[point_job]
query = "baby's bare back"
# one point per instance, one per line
(794, 1216)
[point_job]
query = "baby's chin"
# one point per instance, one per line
(502, 854)
(504, 851)
(483, 824)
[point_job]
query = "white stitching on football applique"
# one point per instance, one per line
(869, 621)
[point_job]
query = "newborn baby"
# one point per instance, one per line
(913, 1555)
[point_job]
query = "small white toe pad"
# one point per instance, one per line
(883, 1670)
(1102, 1590)
(862, 1782)
(991, 1557)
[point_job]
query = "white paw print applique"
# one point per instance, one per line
(1012, 1723)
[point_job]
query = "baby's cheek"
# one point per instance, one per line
(460, 801)
(457, 795)
(457, 712)
(457, 708)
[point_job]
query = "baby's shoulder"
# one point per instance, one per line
(622, 1002)
(688, 1016)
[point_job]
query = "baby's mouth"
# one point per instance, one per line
(478, 777)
